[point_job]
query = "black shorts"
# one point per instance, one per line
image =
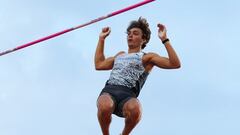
(120, 95)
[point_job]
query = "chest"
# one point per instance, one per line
(129, 61)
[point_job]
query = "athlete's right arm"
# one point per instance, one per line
(102, 63)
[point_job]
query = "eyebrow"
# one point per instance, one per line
(134, 31)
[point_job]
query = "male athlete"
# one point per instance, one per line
(129, 73)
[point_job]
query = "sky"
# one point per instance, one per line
(51, 88)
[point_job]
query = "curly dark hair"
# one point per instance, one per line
(142, 24)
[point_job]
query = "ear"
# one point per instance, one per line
(144, 41)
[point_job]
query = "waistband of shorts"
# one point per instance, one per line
(121, 87)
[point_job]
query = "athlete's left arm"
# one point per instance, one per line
(172, 61)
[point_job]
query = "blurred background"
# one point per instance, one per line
(51, 88)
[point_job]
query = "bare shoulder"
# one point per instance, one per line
(119, 53)
(111, 59)
(148, 56)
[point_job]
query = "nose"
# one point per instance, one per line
(130, 35)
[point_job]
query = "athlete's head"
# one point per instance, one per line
(138, 33)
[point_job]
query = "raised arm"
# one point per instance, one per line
(102, 63)
(172, 61)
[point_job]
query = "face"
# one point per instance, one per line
(134, 38)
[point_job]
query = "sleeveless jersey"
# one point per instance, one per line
(128, 70)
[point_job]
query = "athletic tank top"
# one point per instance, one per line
(128, 71)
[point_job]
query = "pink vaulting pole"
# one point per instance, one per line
(77, 27)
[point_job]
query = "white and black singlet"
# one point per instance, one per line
(126, 79)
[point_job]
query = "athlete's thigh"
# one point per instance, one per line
(105, 101)
(132, 105)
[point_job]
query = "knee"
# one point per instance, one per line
(133, 110)
(105, 104)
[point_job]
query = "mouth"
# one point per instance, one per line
(130, 40)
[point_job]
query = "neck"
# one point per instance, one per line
(136, 50)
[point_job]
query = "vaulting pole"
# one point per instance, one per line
(77, 27)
